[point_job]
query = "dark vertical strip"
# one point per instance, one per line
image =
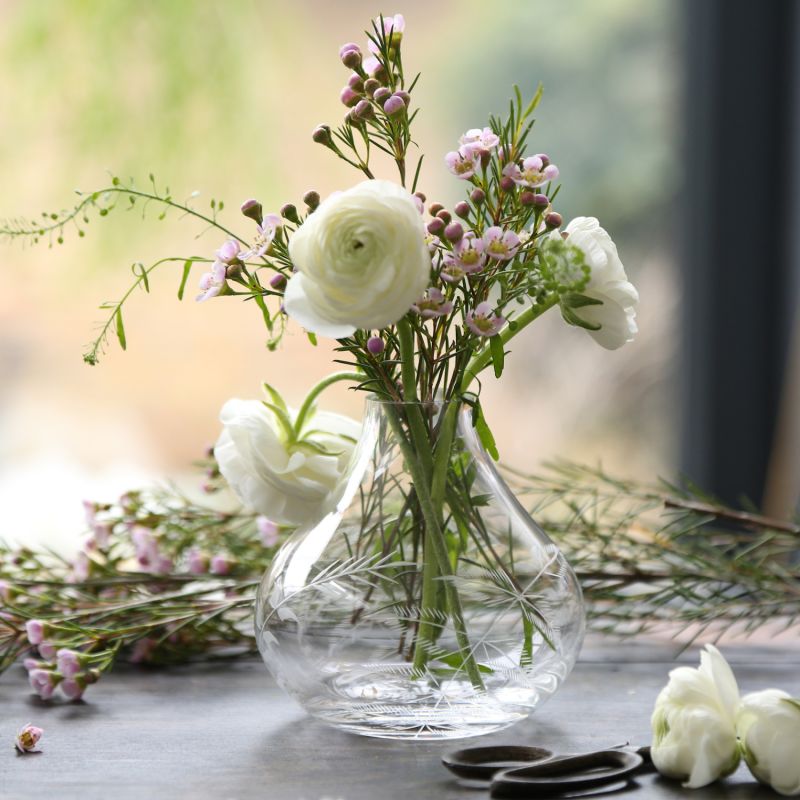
(737, 234)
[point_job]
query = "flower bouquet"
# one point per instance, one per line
(415, 597)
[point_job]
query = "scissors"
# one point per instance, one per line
(514, 771)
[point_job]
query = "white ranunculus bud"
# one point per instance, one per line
(361, 261)
(694, 732)
(607, 283)
(768, 724)
(292, 483)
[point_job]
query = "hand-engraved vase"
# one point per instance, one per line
(426, 603)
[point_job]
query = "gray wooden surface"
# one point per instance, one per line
(225, 732)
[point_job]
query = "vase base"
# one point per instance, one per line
(394, 707)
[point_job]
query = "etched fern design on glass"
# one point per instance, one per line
(425, 603)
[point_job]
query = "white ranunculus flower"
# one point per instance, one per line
(694, 731)
(608, 283)
(768, 724)
(291, 483)
(361, 261)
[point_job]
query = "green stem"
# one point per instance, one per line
(482, 360)
(315, 392)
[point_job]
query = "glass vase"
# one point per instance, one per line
(425, 603)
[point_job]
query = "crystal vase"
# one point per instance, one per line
(425, 603)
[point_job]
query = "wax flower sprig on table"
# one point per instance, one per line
(421, 304)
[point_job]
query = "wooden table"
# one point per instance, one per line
(226, 732)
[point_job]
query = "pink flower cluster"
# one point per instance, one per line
(365, 92)
(199, 563)
(475, 147)
(148, 553)
(63, 668)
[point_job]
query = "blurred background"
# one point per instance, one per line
(663, 126)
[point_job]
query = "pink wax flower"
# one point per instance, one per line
(32, 663)
(145, 545)
(393, 28)
(535, 171)
(81, 567)
(267, 529)
(35, 628)
(433, 304)
(266, 232)
(197, 562)
(229, 252)
(462, 164)
(90, 509)
(46, 650)
(28, 738)
(68, 662)
(347, 47)
(371, 65)
(211, 283)
(42, 682)
(483, 321)
(163, 565)
(432, 240)
(469, 253)
(451, 271)
(220, 565)
(101, 533)
(5, 590)
(479, 140)
(349, 97)
(499, 244)
(73, 688)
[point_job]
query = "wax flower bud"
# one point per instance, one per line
(349, 97)
(375, 345)
(394, 105)
(436, 226)
(322, 135)
(253, 210)
(278, 281)
(352, 57)
(371, 85)
(477, 196)
(382, 94)
(289, 211)
(507, 183)
(311, 199)
(453, 232)
(356, 82)
(462, 210)
(444, 215)
(36, 630)
(435, 208)
(553, 220)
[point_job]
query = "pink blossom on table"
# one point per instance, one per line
(211, 283)
(499, 244)
(535, 171)
(462, 164)
(478, 140)
(32, 663)
(43, 682)
(482, 321)
(27, 738)
(73, 688)
(142, 650)
(220, 565)
(267, 529)
(229, 252)
(469, 253)
(197, 562)
(68, 662)
(265, 233)
(35, 628)
(433, 304)
(47, 650)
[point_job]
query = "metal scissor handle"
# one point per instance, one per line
(562, 775)
(483, 763)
